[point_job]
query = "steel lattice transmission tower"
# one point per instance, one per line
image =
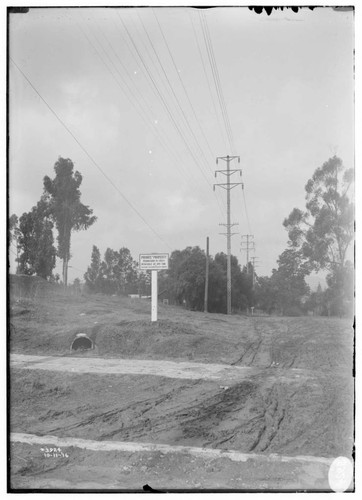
(228, 186)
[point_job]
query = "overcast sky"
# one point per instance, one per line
(136, 90)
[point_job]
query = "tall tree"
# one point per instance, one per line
(109, 283)
(187, 277)
(66, 209)
(126, 272)
(289, 287)
(324, 232)
(14, 234)
(35, 241)
(286, 289)
(93, 273)
(265, 298)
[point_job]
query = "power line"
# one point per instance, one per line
(180, 163)
(207, 80)
(135, 99)
(88, 154)
(172, 90)
(246, 212)
(187, 96)
(221, 96)
(166, 106)
(134, 49)
(182, 83)
(216, 77)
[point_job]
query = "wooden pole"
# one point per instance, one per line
(154, 296)
(207, 276)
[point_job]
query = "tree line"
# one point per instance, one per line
(319, 238)
(182, 284)
(117, 273)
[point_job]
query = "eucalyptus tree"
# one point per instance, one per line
(66, 209)
(35, 241)
(324, 232)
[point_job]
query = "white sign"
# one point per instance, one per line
(154, 261)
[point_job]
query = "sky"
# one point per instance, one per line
(143, 106)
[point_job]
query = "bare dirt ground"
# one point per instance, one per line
(294, 397)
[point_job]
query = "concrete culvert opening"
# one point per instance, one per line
(81, 343)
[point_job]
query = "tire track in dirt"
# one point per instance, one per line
(273, 416)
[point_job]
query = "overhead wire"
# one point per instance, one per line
(207, 79)
(180, 161)
(175, 96)
(170, 86)
(134, 49)
(136, 100)
(185, 91)
(164, 103)
(220, 95)
(89, 155)
(225, 113)
(181, 81)
(246, 212)
(216, 78)
(217, 82)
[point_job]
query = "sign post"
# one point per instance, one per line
(154, 295)
(154, 262)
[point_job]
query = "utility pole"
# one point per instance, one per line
(207, 275)
(250, 245)
(228, 186)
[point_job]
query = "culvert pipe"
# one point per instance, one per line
(81, 343)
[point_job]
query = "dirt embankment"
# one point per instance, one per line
(263, 413)
(122, 328)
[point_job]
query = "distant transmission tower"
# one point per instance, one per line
(228, 186)
(249, 246)
(254, 259)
